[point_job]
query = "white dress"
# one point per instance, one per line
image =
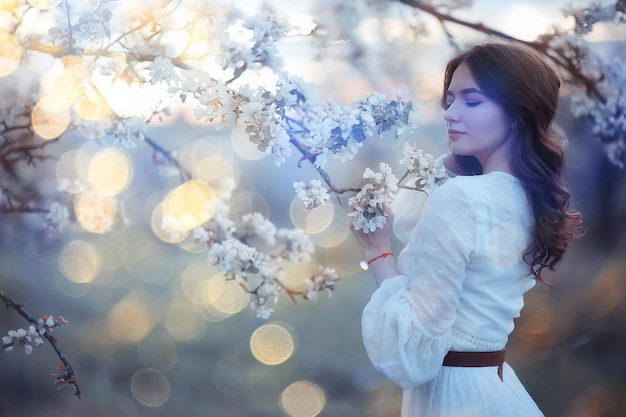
(461, 286)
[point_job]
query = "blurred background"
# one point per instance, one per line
(155, 331)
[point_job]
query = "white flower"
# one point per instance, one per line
(57, 217)
(258, 225)
(298, 245)
(367, 214)
(163, 69)
(312, 195)
(129, 130)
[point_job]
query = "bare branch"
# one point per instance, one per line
(66, 375)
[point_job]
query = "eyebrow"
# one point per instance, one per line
(466, 91)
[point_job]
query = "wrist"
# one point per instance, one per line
(379, 256)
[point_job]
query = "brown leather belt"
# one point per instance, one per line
(475, 359)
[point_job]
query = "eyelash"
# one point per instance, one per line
(467, 103)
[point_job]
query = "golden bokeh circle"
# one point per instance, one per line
(226, 295)
(188, 206)
(150, 387)
(310, 221)
(71, 170)
(272, 344)
(79, 261)
(110, 171)
(302, 399)
(95, 213)
(133, 318)
(162, 230)
(49, 124)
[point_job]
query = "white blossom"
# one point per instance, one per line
(368, 204)
(129, 130)
(323, 279)
(312, 194)
(256, 224)
(298, 245)
(163, 70)
(57, 217)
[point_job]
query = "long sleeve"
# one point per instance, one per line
(407, 323)
(407, 207)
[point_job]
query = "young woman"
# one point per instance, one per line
(438, 323)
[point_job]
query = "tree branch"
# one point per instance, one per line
(66, 374)
(560, 60)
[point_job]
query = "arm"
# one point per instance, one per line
(375, 244)
(408, 321)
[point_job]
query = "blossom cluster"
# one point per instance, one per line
(251, 254)
(423, 171)
(323, 279)
(33, 335)
(368, 205)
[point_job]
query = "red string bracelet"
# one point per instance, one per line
(382, 255)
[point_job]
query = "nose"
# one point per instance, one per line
(451, 115)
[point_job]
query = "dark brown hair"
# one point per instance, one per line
(528, 89)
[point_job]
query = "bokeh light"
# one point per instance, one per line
(72, 170)
(161, 228)
(69, 288)
(10, 52)
(95, 213)
(89, 105)
(79, 261)
(47, 122)
(336, 233)
(182, 322)
(110, 172)
(272, 344)
(310, 221)
(188, 206)
(242, 145)
(150, 387)
(194, 275)
(226, 295)
(302, 399)
(218, 172)
(132, 318)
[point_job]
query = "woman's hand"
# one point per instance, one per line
(375, 243)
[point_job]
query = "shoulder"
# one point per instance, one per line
(479, 192)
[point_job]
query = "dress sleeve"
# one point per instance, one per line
(407, 323)
(407, 207)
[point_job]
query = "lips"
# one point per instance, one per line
(453, 134)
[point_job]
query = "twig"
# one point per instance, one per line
(67, 376)
(561, 61)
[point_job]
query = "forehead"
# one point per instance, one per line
(462, 79)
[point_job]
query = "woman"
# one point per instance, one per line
(440, 319)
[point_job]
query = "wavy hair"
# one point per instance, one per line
(528, 89)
